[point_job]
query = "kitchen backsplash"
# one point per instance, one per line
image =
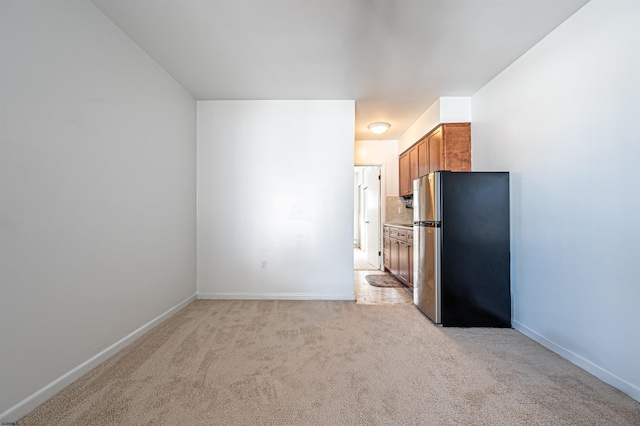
(396, 212)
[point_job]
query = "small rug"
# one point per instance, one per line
(382, 281)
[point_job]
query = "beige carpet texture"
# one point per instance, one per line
(224, 362)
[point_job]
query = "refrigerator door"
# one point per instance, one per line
(475, 261)
(426, 290)
(434, 199)
(424, 199)
(426, 243)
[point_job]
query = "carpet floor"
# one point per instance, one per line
(332, 363)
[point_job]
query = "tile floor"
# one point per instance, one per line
(370, 295)
(360, 260)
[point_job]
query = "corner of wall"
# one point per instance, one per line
(446, 109)
(27, 405)
(455, 109)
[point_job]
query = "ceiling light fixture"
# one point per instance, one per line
(379, 128)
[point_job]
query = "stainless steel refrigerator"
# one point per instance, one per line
(461, 248)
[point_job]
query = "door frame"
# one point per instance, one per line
(381, 204)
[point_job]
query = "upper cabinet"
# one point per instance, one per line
(423, 157)
(405, 175)
(409, 170)
(434, 142)
(447, 147)
(455, 147)
(413, 164)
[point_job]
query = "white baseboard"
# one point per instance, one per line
(602, 374)
(277, 296)
(31, 402)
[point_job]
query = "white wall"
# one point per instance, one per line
(97, 168)
(446, 109)
(358, 179)
(382, 153)
(275, 183)
(455, 109)
(563, 120)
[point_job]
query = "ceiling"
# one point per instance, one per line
(395, 58)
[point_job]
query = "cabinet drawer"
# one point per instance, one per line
(393, 232)
(386, 231)
(410, 237)
(399, 234)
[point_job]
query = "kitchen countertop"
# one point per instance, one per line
(400, 225)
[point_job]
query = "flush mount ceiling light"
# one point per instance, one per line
(379, 128)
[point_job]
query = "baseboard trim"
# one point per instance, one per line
(277, 296)
(602, 374)
(31, 402)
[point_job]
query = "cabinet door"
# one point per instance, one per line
(405, 175)
(387, 251)
(436, 161)
(423, 158)
(413, 165)
(403, 263)
(410, 272)
(395, 256)
(456, 147)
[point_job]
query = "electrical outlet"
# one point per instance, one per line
(399, 209)
(263, 264)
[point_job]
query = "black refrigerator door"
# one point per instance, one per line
(475, 273)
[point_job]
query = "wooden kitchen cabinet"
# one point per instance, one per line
(400, 254)
(413, 166)
(394, 260)
(386, 252)
(450, 148)
(434, 143)
(447, 147)
(403, 262)
(410, 254)
(406, 264)
(406, 187)
(423, 157)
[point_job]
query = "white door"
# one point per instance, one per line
(372, 215)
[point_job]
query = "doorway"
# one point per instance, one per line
(367, 218)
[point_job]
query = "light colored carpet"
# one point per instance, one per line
(332, 363)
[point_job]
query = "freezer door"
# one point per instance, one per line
(423, 199)
(435, 208)
(426, 289)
